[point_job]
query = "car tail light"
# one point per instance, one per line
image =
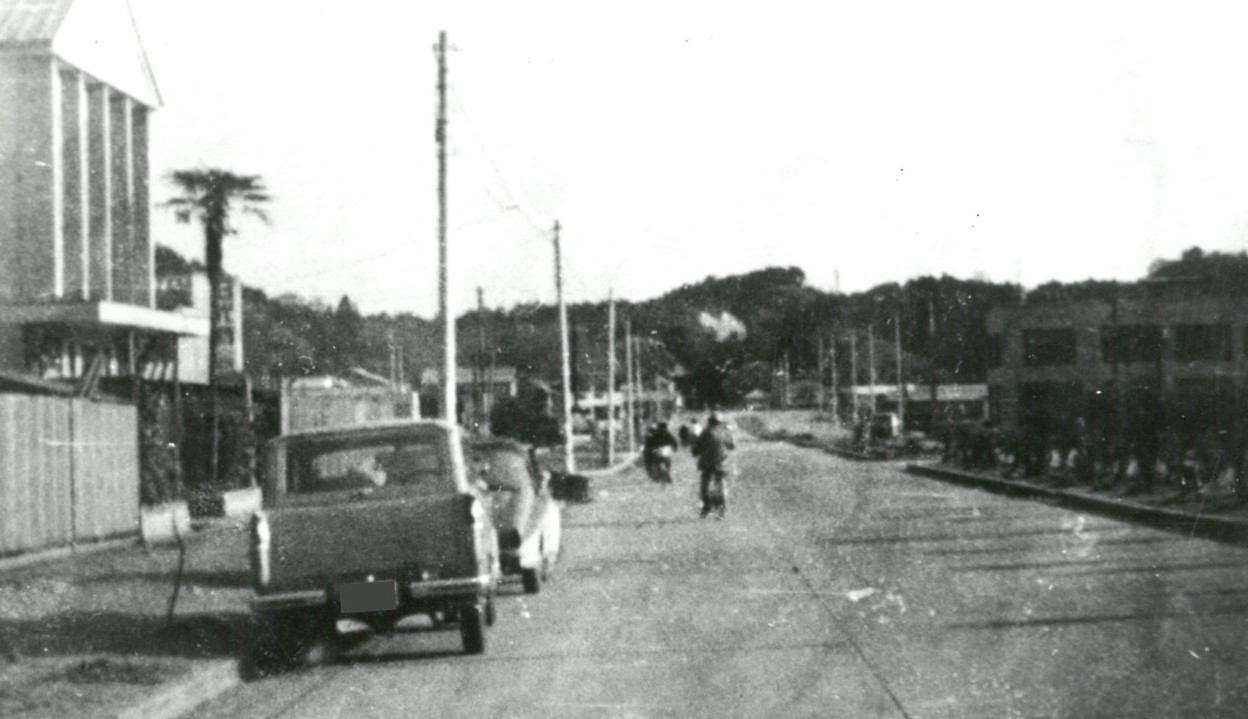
(261, 537)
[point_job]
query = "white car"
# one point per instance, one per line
(528, 519)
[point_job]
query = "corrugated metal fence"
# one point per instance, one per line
(69, 471)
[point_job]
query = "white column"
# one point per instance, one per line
(56, 158)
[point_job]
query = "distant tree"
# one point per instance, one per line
(347, 336)
(1209, 272)
(211, 197)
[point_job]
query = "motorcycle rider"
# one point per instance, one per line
(659, 445)
(712, 448)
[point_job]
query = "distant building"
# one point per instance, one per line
(1157, 355)
(496, 383)
(77, 291)
(187, 293)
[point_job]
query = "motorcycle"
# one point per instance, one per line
(659, 464)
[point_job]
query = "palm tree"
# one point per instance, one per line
(210, 197)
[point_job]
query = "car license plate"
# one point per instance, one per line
(358, 597)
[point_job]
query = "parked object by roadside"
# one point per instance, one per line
(371, 522)
(527, 517)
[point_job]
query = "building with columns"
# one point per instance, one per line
(77, 286)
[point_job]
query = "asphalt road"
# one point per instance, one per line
(832, 589)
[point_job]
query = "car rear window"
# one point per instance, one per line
(412, 464)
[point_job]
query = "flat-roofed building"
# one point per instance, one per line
(1155, 355)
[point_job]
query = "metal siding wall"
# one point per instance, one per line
(67, 467)
(34, 473)
(106, 469)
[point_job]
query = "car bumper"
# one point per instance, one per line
(468, 588)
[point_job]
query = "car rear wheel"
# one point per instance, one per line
(280, 642)
(472, 629)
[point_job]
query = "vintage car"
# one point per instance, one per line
(527, 517)
(372, 523)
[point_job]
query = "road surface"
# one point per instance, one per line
(832, 589)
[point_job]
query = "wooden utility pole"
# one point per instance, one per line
(482, 381)
(569, 461)
(631, 398)
(931, 358)
(639, 389)
(836, 397)
(449, 372)
(901, 382)
(820, 339)
(611, 379)
(853, 374)
(394, 370)
(871, 375)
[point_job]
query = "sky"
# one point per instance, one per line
(864, 142)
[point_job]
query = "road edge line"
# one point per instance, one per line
(205, 682)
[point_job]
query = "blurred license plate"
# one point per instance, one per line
(368, 596)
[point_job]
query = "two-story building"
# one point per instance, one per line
(1156, 354)
(77, 288)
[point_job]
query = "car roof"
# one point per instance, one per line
(370, 430)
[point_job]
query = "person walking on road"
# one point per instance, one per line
(712, 448)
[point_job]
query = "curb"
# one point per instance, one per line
(609, 471)
(1222, 529)
(50, 555)
(203, 684)
(849, 454)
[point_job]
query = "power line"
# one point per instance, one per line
(472, 125)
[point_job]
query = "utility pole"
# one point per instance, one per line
(853, 374)
(871, 375)
(640, 391)
(836, 398)
(449, 412)
(611, 379)
(821, 398)
(394, 370)
(788, 397)
(631, 398)
(931, 356)
(901, 382)
(479, 365)
(569, 462)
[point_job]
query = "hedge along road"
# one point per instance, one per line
(832, 589)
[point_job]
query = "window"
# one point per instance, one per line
(372, 465)
(1048, 347)
(1202, 342)
(1131, 343)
